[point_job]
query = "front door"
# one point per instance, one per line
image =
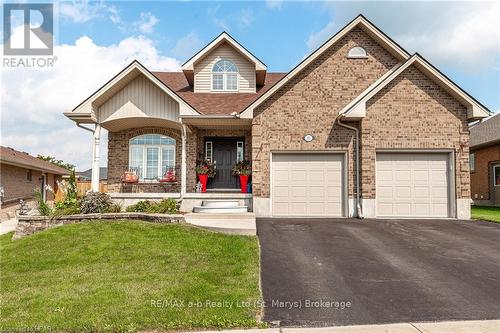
(495, 172)
(224, 156)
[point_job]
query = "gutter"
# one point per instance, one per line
(359, 211)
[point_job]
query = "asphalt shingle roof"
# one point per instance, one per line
(9, 155)
(214, 104)
(485, 132)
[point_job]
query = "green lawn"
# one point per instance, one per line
(486, 213)
(121, 276)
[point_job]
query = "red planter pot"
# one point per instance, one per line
(243, 183)
(203, 180)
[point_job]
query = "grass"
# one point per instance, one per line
(486, 213)
(121, 276)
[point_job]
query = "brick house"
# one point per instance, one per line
(485, 162)
(21, 174)
(359, 127)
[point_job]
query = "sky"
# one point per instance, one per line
(94, 40)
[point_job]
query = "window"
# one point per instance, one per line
(151, 155)
(208, 150)
(357, 52)
(29, 176)
(472, 162)
(239, 151)
(496, 175)
(225, 76)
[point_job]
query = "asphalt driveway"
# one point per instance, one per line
(378, 271)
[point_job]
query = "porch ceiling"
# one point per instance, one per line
(229, 123)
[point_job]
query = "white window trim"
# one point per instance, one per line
(472, 162)
(354, 56)
(242, 148)
(224, 78)
(209, 158)
(144, 158)
(224, 81)
(494, 175)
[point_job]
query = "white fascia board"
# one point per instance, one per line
(360, 20)
(189, 65)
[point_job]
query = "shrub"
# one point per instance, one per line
(166, 206)
(140, 207)
(95, 202)
(42, 206)
(114, 208)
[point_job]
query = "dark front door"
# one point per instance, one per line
(224, 159)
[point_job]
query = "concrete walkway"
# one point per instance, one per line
(233, 223)
(473, 326)
(8, 225)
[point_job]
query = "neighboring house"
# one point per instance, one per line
(299, 129)
(21, 174)
(87, 175)
(485, 162)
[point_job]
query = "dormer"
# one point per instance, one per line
(224, 66)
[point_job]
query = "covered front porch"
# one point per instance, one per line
(158, 137)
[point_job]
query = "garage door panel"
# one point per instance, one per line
(313, 185)
(412, 184)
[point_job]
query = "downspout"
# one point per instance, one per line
(359, 211)
(85, 128)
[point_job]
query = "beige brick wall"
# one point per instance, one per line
(413, 112)
(118, 158)
(310, 102)
(410, 113)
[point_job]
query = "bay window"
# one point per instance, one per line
(151, 155)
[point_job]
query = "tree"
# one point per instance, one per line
(59, 163)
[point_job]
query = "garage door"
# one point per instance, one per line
(412, 185)
(307, 184)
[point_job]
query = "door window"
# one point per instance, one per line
(496, 175)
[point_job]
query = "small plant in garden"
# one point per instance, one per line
(95, 202)
(42, 206)
(140, 207)
(204, 167)
(242, 168)
(69, 204)
(166, 206)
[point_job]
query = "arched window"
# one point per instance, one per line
(357, 52)
(224, 76)
(151, 155)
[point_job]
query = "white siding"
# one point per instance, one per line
(203, 69)
(140, 98)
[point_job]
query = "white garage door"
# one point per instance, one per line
(307, 184)
(412, 185)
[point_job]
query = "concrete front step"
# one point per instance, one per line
(220, 203)
(235, 224)
(220, 210)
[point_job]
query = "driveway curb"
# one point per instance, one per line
(469, 326)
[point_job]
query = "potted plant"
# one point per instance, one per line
(243, 169)
(169, 176)
(204, 169)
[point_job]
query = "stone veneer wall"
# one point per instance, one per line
(28, 225)
(118, 158)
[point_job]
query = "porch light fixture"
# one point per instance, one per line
(308, 138)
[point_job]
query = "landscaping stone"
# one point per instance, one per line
(28, 225)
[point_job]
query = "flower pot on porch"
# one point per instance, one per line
(203, 180)
(243, 183)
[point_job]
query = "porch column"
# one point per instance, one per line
(95, 158)
(183, 161)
